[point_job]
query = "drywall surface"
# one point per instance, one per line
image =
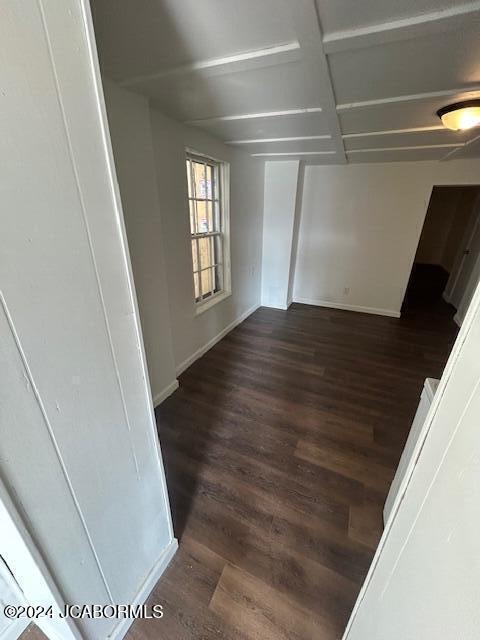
(129, 123)
(79, 454)
(425, 580)
(192, 332)
(281, 179)
(359, 230)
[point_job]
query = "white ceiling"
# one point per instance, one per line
(326, 81)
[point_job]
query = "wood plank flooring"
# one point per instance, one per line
(279, 448)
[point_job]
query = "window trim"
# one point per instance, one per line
(224, 201)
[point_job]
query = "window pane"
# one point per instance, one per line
(195, 255)
(211, 225)
(197, 289)
(208, 182)
(207, 281)
(199, 180)
(204, 217)
(206, 252)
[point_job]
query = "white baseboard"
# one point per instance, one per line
(282, 307)
(200, 352)
(348, 307)
(164, 393)
(147, 587)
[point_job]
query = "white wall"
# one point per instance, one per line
(130, 130)
(425, 579)
(281, 179)
(79, 454)
(191, 332)
(359, 230)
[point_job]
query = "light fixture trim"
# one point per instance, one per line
(472, 107)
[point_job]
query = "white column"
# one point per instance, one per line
(280, 206)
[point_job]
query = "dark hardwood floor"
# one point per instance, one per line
(280, 446)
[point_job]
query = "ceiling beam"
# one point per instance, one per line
(409, 148)
(403, 29)
(460, 93)
(293, 139)
(316, 68)
(366, 134)
(294, 153)
(451, 154)
(251, 116)
(247, 61)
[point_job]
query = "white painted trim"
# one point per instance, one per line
(348, 307)
(278, 54)
(14, 626)
(457, 319)
(205, 305)
(146, 588)
(387, 132)
(464, 145)
(294, 139)
(309, 32)
(280, 307)
(401, 29)
(158, 398)
(211, 343)
(115, 189)
(429, 95)
(15, 629)
(30, 571)
(251, 116)
(408, 148)
(294, 153)
(224, 190)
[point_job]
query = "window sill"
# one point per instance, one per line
(201, 307)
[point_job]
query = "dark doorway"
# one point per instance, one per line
(450, 218)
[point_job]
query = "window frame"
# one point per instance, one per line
(223, 187)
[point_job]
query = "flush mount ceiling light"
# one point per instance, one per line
(461, 115)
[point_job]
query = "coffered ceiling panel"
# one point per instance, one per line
(403, 114)
(197, 96)
(421, 65)
(275, 126)
(141, 37)
(340, 15)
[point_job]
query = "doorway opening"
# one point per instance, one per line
(446, 267)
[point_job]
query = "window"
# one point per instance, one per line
(207, 200)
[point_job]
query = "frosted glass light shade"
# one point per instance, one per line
(461, 115)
